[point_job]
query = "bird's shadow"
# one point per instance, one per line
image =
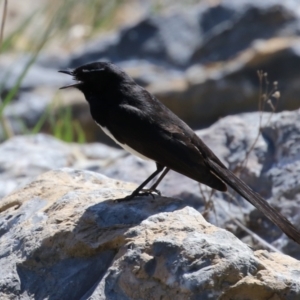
(71, 264)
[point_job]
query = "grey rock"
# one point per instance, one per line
(169, 40)
(282, 171)
(63, 237)
(36, 76)
(201, 34)
(27, 110)
(22, 158)
(232, 87)
(239, 24)
(271, 169)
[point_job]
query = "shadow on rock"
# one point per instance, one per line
(71, 264)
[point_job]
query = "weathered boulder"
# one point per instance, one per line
(272, 169)
(64, 237)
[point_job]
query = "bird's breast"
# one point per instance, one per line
(124, 146)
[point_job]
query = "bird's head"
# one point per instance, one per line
(96, 77)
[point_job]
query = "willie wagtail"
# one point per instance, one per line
(142, 125)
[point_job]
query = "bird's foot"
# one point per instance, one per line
(143, 192)
(147, 192)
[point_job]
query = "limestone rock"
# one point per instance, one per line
(68, 239)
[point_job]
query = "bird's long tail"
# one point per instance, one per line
(256, 200)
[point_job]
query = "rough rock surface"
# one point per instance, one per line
(64, 237)
(272, 169)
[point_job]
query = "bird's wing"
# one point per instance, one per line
(164, 138)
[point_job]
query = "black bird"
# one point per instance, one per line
(142, 125)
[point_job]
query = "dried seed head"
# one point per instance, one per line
(276, 95)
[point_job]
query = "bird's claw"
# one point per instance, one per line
(146, 192)
(143, 192)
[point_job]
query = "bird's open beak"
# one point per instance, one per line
(69, 72)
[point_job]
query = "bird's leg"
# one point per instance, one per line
(154, 186)
(157, 182)
(137, 191)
